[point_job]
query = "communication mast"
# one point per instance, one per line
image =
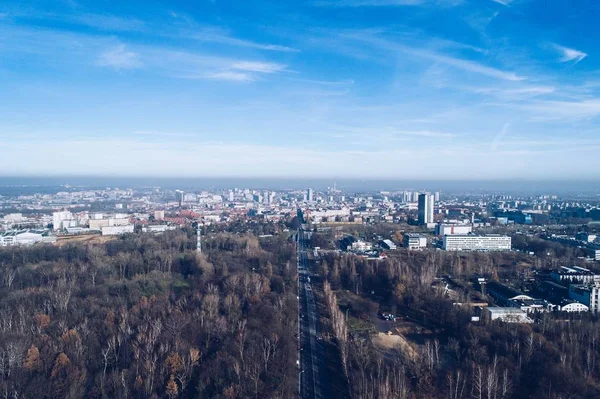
(199, 238)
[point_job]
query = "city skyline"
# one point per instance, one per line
(431, 89)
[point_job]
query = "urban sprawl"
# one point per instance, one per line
(535, 227)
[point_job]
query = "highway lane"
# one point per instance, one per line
(313, 369)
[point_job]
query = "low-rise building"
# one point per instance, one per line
(586, 237)
(508, 315)
(448, 229)
(472, 242)
(414, 241)
(99, 224)
(387, 244)
(505, 295)
(24, 237)
(159, 228)
(361, 246)
(571, 306)
(116, 230)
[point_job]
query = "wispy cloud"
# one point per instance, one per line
(215, 35)
(514, 92)
(106, 22)
(500, 137)
(348, 82)
(103, 22)
(262, 67)
(503, 2)
(569, 54)
(231, 76)
(448, 60)
(119, 57)
(387, 3)
(567, 110)
(105, 51)
(468, 66)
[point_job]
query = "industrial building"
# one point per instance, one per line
(588, 294)
(575, 274)
(571, 306)
(472, 242)
(24, 237)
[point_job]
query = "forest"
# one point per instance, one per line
(556, 357)
(145, 316)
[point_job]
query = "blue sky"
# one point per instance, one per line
(414, 89)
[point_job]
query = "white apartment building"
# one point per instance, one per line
(61, 219)
(14, 218)
(471, 242)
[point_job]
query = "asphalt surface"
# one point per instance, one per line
(313, 365)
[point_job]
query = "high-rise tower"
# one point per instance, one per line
(426, 209)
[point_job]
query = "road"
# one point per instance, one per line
(313, 365)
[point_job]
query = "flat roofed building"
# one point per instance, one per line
(387, 244)
(472, 242)
(361, 246)
(414, 241)
(508, 315)
(574, 274)
(447, 229)
(117, 230)
(588, 294)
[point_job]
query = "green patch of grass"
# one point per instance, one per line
(360, 326)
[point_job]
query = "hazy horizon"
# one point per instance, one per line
(513, 186)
